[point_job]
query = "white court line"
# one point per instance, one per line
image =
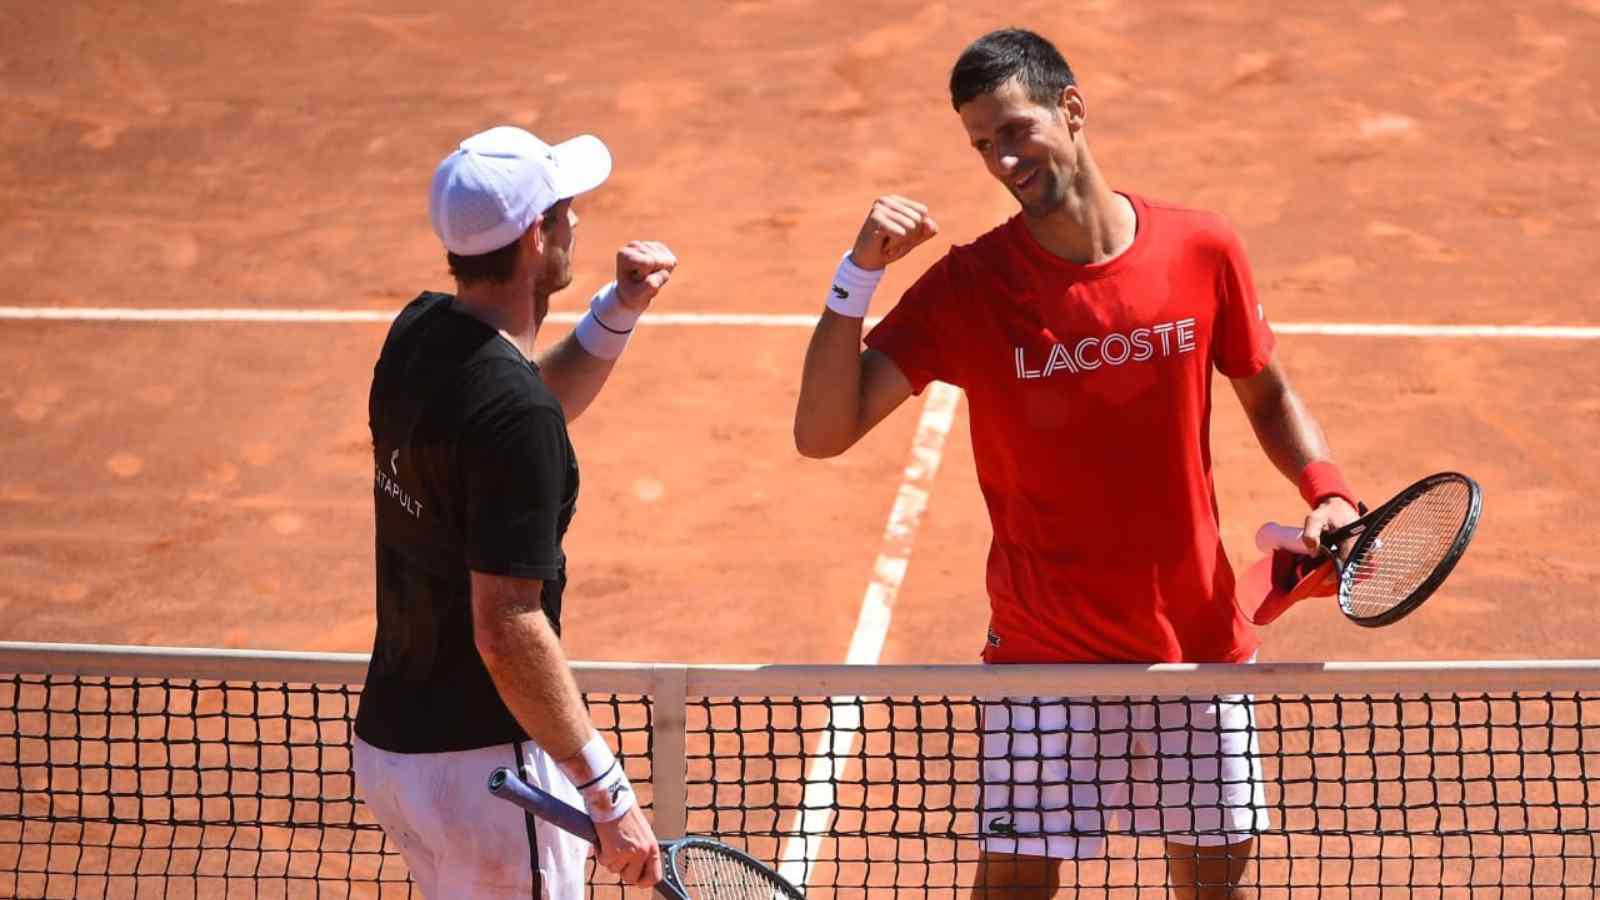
(833, 749)
(1374, 329)
(758, 320)
(340, 316)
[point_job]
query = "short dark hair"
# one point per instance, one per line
(998, 56)
(496, 266)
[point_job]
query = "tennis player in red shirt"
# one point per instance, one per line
(1083, 331)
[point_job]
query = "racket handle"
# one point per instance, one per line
(1273, 536)
(505, 784)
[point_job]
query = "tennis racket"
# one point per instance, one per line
(692, 868)
(1402, 551)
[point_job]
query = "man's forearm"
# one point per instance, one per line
(529, 669)
(1285, 428)
(574, 374)
(828, 414)
(1296, 445)
(1290, 435)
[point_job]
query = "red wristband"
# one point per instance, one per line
(1322, 479)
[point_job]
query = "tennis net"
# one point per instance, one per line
(150, 772)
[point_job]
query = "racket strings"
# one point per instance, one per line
(1407, 549)
(709, 875)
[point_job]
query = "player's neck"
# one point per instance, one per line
(1093, 225)
(505, 306)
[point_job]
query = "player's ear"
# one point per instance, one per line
(534, 239)
(1071, 108)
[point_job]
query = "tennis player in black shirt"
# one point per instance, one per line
(475, 482)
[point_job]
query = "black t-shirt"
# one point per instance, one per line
(473, 472)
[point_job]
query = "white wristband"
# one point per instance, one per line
(598, 776)
(605, 330)
(852, 288)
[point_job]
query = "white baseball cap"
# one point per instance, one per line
(487, 192)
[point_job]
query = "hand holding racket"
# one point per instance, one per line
(692, 868)
(1401, 551)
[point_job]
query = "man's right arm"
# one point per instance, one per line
(530, 671)
(845, 391)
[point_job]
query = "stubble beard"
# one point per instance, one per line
(1050, 199)
(556, 276)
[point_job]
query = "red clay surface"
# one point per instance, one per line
(209, 484)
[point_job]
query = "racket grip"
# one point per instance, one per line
(505, 784)
(1273, 536)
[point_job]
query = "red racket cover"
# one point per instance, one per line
(1275, 583)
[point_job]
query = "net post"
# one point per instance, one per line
(668, 767)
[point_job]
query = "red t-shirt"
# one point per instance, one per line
(1089, 389)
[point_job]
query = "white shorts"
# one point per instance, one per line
(1059, 773)
(459, 840)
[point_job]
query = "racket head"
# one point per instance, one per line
(702, 869)
(1405, 549)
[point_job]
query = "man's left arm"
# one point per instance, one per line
(1296, 445)
(577, 366)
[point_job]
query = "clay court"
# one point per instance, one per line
(206, 482)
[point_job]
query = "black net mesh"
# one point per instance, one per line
(119, 787)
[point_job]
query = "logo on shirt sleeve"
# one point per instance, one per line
(391, 488)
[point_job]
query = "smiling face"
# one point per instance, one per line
(1028, 147)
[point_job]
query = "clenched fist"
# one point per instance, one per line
(643, 269)
(894, 227)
